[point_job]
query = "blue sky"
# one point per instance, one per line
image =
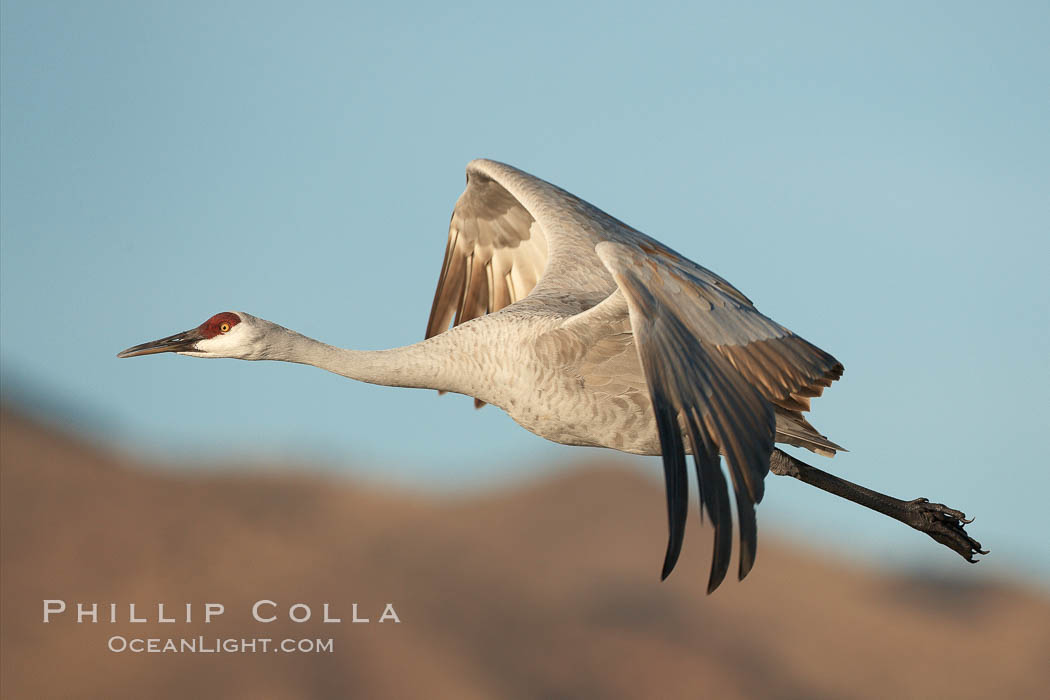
(874, 178)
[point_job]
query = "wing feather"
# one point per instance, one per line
(718, 365)
(722, 378)
(492, 258)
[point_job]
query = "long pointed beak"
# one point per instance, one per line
(180, 342)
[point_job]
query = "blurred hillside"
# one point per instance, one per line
(547, 590)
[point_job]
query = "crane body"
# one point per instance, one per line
(589, 332)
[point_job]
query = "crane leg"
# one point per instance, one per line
(940, 522)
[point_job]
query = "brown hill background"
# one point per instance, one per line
(548, 590)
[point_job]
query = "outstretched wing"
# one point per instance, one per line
(496, 253)
(513, 234)
(715, 367)
(510, 231)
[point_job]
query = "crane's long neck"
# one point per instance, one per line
(425, 365)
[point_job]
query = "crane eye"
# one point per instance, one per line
(224, 327)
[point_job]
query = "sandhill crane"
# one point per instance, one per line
(588, 332)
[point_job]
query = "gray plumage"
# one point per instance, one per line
(631, 345)
(588, 332)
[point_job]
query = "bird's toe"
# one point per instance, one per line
(945, 525)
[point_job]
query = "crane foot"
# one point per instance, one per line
(944, 524)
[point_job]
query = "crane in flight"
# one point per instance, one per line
(588, 332)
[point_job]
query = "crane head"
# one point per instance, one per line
(228, 334)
